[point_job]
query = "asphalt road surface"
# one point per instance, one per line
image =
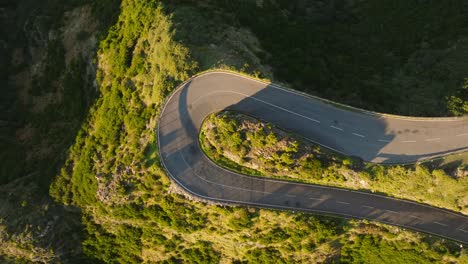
(375, 138)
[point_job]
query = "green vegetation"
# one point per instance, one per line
(121, 192)
(249, 146)
(352, 52)
(49, 88)
(112, 200)
(371, 249)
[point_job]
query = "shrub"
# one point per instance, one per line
(201, 253)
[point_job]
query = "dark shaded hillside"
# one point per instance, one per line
(47, 81)
(47, 74)
(406, 57)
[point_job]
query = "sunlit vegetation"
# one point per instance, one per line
(114, 202)
(114, 175)
(367, 248)
(249, 146)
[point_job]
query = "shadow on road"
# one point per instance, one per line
(181, 154)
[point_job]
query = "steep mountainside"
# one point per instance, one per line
(82, 87)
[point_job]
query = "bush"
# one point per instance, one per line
(124, 246)
(372, 249)
(240, 219)
(201, 253)
(265, 255)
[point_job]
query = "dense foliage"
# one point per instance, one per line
(115, 203)
(34, 125)
(397, 56)
(372, 249)
(113, 182)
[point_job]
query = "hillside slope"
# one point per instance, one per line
(83, 113)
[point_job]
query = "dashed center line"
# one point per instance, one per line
(416, 217)
(384, 140)
(432, 139)
(461, 135)
(437, 223)
(337, 128)
(318, 199)
(359, 135)
(409, 141)
(390, 211)
(463, 230)
(275, 106)
(340, 202)
(366, 206)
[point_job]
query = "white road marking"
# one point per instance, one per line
(463, 230)
(416, 217)
(340, 202)
(337, 128)
(318, 199)
(288, 90)
(409, 141)
(390, 211)
(432, 139)
(279, 107)
(461, 135)
(259, 100)
(370, 207)
(358, 135)
(384, 140)
(435, 222)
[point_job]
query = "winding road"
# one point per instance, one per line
(372, 137)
